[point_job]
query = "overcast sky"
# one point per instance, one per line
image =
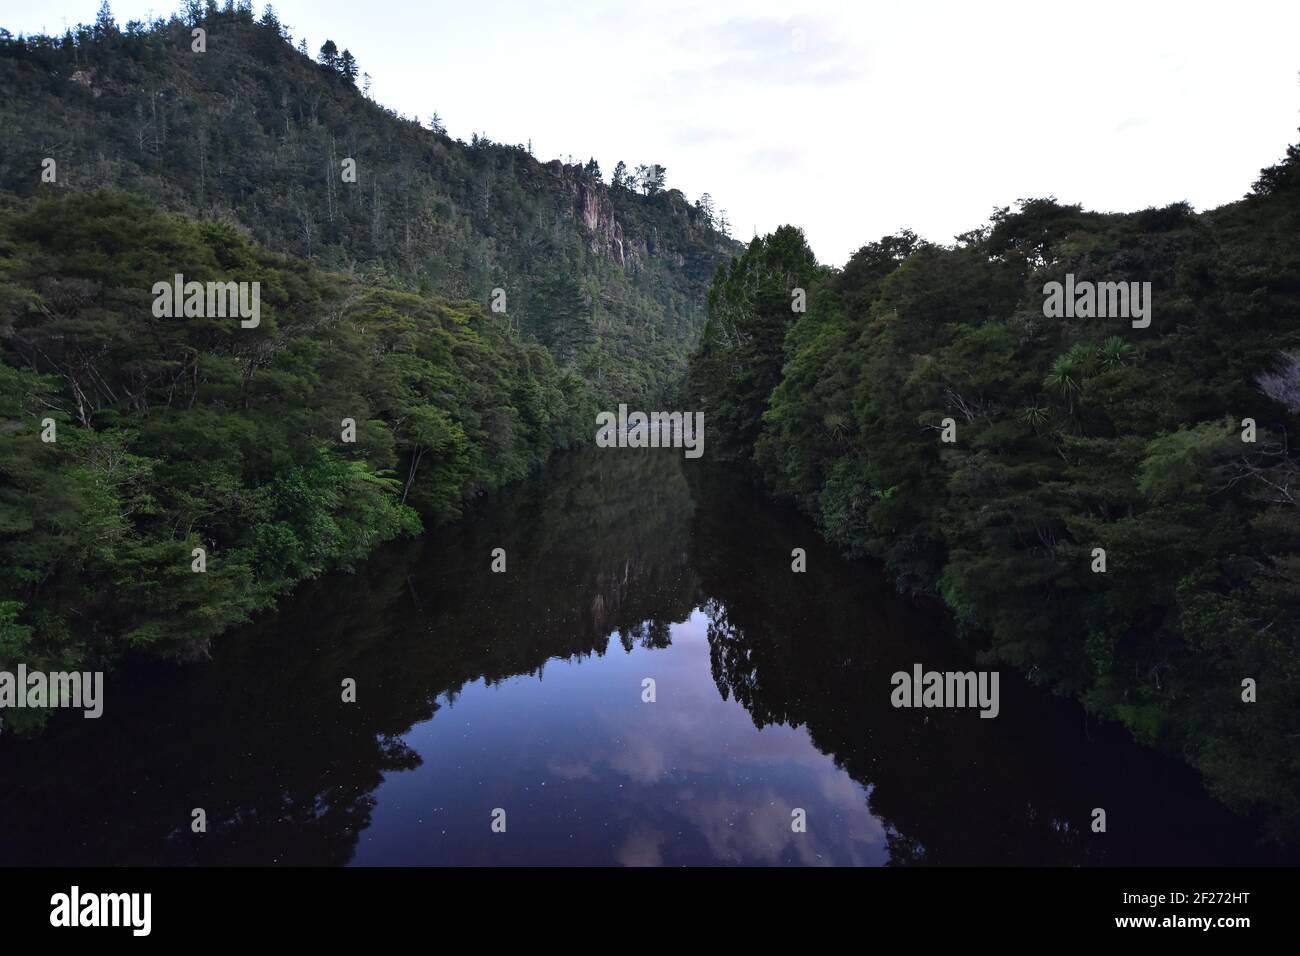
(850, 119)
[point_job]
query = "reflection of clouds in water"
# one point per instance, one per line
(570, 770)
(754, 826)
(678, 741)
(641, 760)
(842, 791)
(641, 848)
(748, 827)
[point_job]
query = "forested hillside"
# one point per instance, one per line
(136, 152)
(128, 440)
(611, 277)
(1070, 435)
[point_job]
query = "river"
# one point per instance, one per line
(504, 718)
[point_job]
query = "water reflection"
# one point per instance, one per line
(523, 691)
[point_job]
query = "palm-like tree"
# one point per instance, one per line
(1034, 416)
(837, 423)
(1115, 353)
(1067, 375)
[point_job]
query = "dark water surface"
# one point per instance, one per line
(523, 691)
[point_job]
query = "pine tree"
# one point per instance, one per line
(705, 205)
(105, 25)
(348, 66)
(329, 55)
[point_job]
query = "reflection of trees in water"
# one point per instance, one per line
(259, 737)
(817, 649)
(608, 542)
(652, 635)
(735, 670)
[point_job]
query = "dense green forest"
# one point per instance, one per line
(175, 434)
(1070, 435)
(612, 277)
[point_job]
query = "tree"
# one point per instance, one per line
(348, 67)
(564, 323)
(619, 179)
(329, 55)
(592, 168)
(741, 352)
(105, 25)
(658, 174)
(705, 206)
(302, 47)
(436, 124)
(650, 178)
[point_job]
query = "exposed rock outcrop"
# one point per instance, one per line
(592, 208)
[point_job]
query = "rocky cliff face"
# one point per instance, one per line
(613, 229)
(593, 209)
